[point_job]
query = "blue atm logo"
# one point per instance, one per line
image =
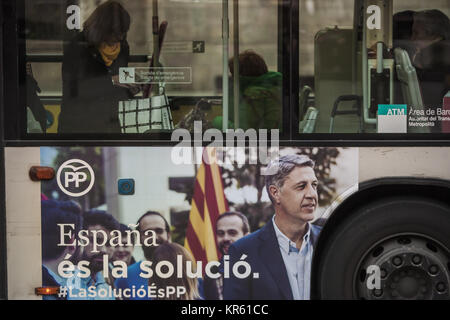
(392, 110)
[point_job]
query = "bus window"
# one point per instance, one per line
(256, 81)
(151, 66)
(362, 70)
(427, 44)
(326, 61)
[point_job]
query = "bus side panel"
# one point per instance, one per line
(23, 222)
(421, 162)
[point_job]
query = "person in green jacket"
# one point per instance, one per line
(259, 94)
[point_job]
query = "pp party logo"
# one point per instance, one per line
(75, 177)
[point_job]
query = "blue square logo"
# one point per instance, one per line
(125, 187)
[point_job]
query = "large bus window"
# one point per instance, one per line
(374, 67)
(120, 67)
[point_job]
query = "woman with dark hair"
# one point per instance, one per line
(91, 62)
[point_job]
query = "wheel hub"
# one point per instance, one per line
(411, 267)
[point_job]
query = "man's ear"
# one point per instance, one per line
(275, 193)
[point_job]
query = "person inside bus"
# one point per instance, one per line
(90, 68)
(402, 31)
(34, 104)
(55, 213)
(431, 38)
(401, 36)
(260, 102)
(170, 252)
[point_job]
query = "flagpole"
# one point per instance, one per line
(194, 159)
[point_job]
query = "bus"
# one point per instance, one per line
(111, 106)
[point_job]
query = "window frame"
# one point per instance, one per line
(3, 249)
(16, 58)
(351, 138)
(15, 122)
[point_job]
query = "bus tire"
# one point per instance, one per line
(394, 248)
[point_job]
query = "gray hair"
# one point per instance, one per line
(282, 167)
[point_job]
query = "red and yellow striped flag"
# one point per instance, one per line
(208, 203)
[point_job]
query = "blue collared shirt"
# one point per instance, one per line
(297, 262)
(78, 288)
(60, 280)
(88, 289)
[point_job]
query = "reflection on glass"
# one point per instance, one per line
(260, 102)
(380, 68)
(77, 55)
(90, 72)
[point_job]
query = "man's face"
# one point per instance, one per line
(298, 196)
(123, 253)
(96, 258)
(229, 230)
(156, 224)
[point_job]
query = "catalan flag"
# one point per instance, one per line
(208, 203)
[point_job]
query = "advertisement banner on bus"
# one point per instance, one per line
(136, 223)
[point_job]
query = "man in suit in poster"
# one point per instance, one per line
(281, 251)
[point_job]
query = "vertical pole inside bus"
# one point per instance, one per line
(225, 89)
(236, 63)
(378, 65)
(155, 28)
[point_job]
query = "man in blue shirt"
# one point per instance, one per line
(149, 221)
(94, 287)
(56, 213)
(150, 224)
(280, 253)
